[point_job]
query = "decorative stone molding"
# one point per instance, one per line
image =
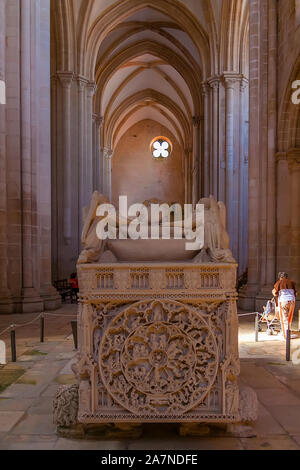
(248, 405)
(65, 406)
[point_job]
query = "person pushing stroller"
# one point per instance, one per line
(285, 293)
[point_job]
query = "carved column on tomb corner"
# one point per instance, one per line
(90, 89)
(214, 124)
(196, 167)
(107, 157)
(293, 157)
(6, 305)
(66, 79)
(206, 140)
(81, 83)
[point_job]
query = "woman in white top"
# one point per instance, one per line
(285, 293)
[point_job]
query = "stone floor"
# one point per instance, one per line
(26, 405)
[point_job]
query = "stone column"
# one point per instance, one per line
(214, 156)
(31, 300)
(6, 305)
(43, 104)
(247, 297)
(98, 170)
(66, 79)
(231, 172)
(107, 157)
(186, 176)
(262, 154)
(82, 83)
(90, 89)
(268, 243)
(196, 160)
(206, 140)
(293, 157)
(243, 177)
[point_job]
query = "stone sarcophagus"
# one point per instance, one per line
(158, 343)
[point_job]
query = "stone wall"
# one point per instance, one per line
(25, 158)
(141, 177)
(274, 178)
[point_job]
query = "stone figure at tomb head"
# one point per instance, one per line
(91, 245)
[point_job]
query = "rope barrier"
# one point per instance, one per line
(28, 323)
(248, 314)
(15, 326)
(60, 315)
(4, 331)
(40, 317)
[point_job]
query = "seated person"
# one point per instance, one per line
(74, 283)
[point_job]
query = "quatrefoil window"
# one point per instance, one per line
(161, 148)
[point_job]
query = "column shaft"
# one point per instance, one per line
(5, 300)
(206, 141)
(66, 82)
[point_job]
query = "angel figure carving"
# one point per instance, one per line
(92, 246)
(216, 239)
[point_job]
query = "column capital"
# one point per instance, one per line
(281, 156)
(196, 121)
(244, 84)
(91, 88)
(82, 81)
(231, 78)
(293, 158)
(107, 153)
(205, 88)
(214, 82)
(65, 78)
(187, 152)
(98, 120)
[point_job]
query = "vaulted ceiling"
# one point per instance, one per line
(149, 58)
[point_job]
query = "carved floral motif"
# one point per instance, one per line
(158, 357)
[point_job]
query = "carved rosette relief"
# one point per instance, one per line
(158, 358)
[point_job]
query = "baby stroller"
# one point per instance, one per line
(270, 317)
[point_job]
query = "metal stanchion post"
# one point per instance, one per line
(288, 344)
(74, 331)
(13, 344)
(256, 328)
(42, 331)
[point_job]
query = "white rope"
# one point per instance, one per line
(14, 326)
(28, 323)
(60, 315)
(4, 331)
(248, 314)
